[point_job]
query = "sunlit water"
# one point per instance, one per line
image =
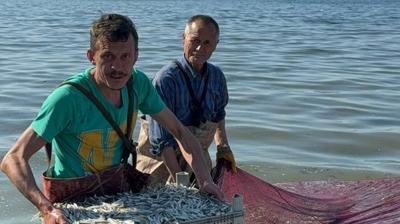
(314, 85)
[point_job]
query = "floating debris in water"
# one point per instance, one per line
(163, 204)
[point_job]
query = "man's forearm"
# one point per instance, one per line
(168, 155)
(188, 144)
(20, 174)
(191, 151)
(16, 166)
(220, 137)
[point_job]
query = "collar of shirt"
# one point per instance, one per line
(188, 68)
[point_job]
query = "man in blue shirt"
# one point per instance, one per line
(196, 92)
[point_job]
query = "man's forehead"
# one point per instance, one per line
(201, 29)
(106, 42)
(200, 24)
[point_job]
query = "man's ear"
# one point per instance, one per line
(90, 56)
(183, 39)
(136, 55)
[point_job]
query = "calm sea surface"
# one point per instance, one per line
(314, 85)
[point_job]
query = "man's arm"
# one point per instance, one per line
(223, 149)
(170, 160)
(190, 148)
(220, 137)
(15, 165)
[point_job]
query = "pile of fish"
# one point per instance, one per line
(162, 204)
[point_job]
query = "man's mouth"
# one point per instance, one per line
(117, 75)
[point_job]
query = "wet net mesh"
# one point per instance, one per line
(355, 202)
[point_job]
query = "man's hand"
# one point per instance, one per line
(54, 216)
(225, 152)
(210, 187)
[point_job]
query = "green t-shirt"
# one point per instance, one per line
(79, 132)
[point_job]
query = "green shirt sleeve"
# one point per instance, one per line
(55, 114)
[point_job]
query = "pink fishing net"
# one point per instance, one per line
(355, 202)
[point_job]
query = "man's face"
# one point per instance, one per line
(199, 42)
(114, 62)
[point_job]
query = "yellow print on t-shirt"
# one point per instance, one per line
(98, 149)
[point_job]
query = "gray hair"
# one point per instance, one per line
(205, 18)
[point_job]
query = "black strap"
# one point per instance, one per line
(190, 88)
(127, 141)
(129, 126)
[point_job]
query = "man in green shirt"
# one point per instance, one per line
(82, 140)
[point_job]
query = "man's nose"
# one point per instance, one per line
(199, 47)
(116, 65)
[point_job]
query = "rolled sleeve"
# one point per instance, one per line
(159, 137)
(220, 116)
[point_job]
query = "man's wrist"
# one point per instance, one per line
(46, 207)
(223, 146)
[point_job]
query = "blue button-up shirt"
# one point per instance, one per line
(170, 85)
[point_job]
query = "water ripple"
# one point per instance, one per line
(311, 82)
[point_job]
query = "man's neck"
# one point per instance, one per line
(198, 69)
(112, 95)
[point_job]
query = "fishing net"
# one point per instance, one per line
(355, 202)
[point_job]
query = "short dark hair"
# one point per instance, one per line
(206, 19)
(113, 28)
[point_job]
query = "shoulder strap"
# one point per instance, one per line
(129, 147)
(129, 128)
(130, 108)
(189, 85)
